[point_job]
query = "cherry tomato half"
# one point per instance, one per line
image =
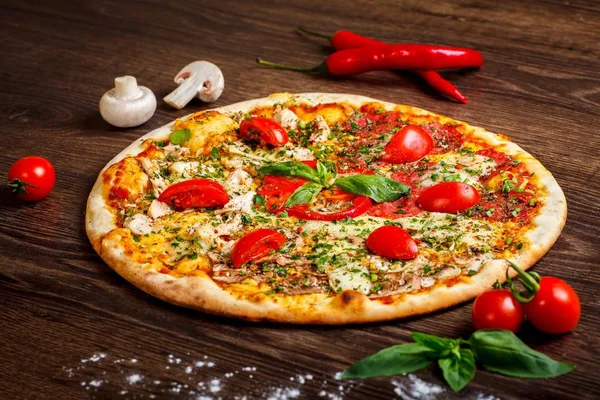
(411, 143)
(255, 245)
(195, 193)
(32, 178)
(448, 197)
(498, 309)
(392, 242)
(555, 308)
(264, 129)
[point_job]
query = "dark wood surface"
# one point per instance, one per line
(63, 308)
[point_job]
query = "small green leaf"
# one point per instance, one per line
(291, 168)
(179, 136)
(327, 171)
(378, 188)
(441, 346)
(458, 370)
(394, 360)
(503, 352)
(304, 194)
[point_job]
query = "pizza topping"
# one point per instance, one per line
(256, 245)
(360, 205)
(195, 193)
(449, 197)
(287, 119)
(139, 224)
(321, 130)
(159, 209)
(409, 144)
(263, 129)
(392, 242)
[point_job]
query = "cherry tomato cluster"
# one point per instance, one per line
(552, 305)
(32, 178)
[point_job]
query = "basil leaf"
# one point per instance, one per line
(379, 188)
(458, 370)
(394, 360)
(304, 194)
(179, 136)
(327, 171)
(291, 168)
(503, 352)
(442, 346)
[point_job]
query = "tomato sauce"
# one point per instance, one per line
(446, 137)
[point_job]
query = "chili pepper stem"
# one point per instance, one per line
(318, 68)
(322, 35)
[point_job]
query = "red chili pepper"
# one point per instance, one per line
(360, 205)
(342, 40)
(393, 56)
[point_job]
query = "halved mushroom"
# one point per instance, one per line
(200, 78)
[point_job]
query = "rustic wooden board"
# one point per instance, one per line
(63, 308)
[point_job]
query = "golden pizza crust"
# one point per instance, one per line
(202, 293)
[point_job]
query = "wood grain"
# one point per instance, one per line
(60, 303)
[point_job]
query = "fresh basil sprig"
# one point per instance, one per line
(179, 136)
(378, 188)
(496, 350)
(291, 168)
(304, 194)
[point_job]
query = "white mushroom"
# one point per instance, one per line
(200, 78)
(127, 104)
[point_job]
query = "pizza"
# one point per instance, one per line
(321, 209)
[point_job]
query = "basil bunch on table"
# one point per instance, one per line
(377, 187)
(496, 350)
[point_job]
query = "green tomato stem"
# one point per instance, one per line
(529, 280)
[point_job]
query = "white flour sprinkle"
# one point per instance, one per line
(214, 386)
(283, 394)
(134, 378)
(416, 389)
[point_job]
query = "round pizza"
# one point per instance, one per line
(321, 209)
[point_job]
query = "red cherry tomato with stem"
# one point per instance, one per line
(555, 308)
(392, 242)
(411, 143)
(195, 193)
(265, 130)
(255, 245)
(32, 178)
(498, 309)
(448, 197)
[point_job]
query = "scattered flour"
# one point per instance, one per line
(417, 389)
(187, 377)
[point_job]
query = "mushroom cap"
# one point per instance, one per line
(129, 111)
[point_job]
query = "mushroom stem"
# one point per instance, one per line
(185, 92)
(126, 87)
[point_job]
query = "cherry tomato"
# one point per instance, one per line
(264, 129)
(195, 193)
(32, 178)
(448, 197)
(277, 189)
(255, 245)
(497, 309)
(555, 308)
(411, 143)
(392, 242)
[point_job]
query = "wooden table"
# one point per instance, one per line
(71, 328)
